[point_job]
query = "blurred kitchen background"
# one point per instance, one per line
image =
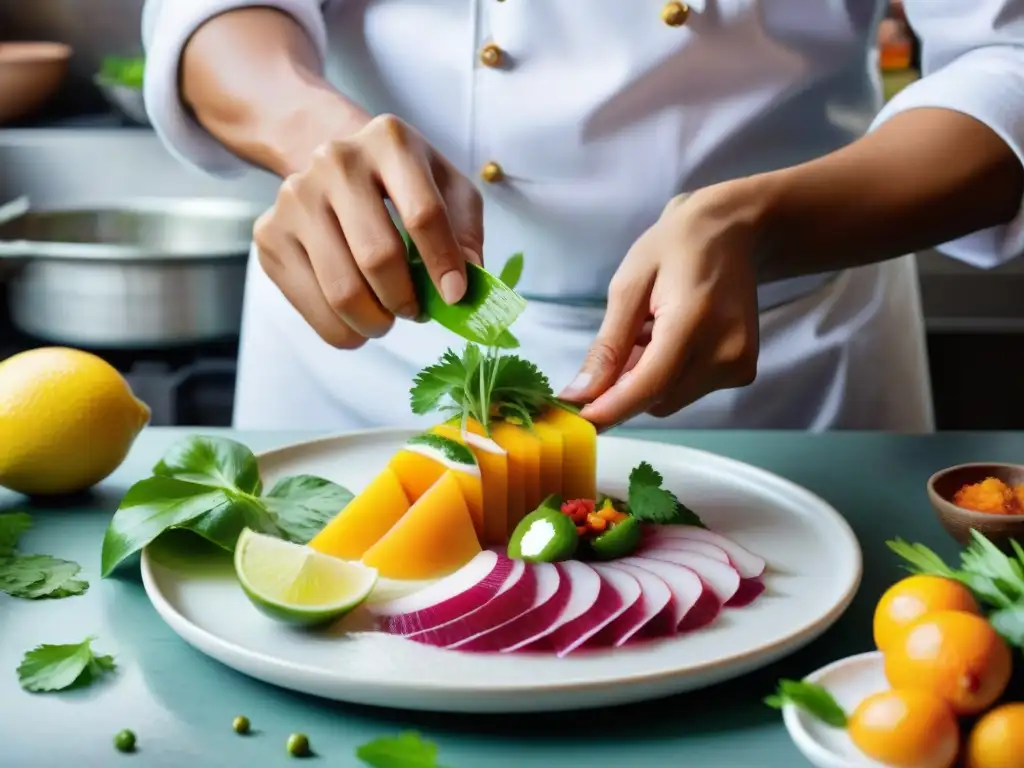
(155, 286)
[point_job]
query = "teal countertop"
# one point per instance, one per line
(181, 704)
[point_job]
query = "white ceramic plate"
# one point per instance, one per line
(814, 566)
(850, 681)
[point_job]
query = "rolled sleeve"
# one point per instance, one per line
(167, 25)
(973, 63)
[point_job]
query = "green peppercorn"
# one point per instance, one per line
(298, 745)
(241, 724)
(124, 741)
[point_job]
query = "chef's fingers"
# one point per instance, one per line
(659, 365)
(628, 307)
(465, 211)
(283, 259)
(374, 242)
(314, 224)
(401, 159)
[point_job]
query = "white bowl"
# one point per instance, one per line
(850, 681)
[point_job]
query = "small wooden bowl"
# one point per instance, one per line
(958, 522)
(30, 73)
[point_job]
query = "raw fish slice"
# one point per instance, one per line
(459, 593)
(634, 616)
(584, 589)
(749, 565)
(608, 607)
(515, 596)
(689, 545)
(656, 606)
(550, 598)
(722, 578)
(695, 604)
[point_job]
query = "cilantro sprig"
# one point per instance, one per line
(481, 384)
(31, 576)
(811, 698)
(58, 667)
(649, 502)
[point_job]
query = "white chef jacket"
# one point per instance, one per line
(600, 113)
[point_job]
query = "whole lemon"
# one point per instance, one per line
(67, 420)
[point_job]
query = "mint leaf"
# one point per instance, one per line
(811, 698)
(512, 271)
(12, 525)
(407, 750)
(57, 667)
(212, 461)
(302, 505)
(35, 576)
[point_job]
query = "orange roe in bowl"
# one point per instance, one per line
(991, 496)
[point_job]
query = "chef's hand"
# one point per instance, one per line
(331, 247)
(682, 318)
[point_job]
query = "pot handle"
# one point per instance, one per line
(14, 249)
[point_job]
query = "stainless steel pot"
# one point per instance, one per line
(146, 273)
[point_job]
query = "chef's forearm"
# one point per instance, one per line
(923, 178)
(250, 77)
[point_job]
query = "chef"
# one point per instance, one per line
(715, 216)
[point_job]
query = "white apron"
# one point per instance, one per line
(601, 113)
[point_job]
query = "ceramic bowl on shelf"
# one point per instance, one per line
(30, 73)
(958, 522)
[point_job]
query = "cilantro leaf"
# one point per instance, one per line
(12, 525)
(35, 576)
(649, 502)
(446, 378)
(407, 750)
(57, 667)
(813, 699)
(512, 271)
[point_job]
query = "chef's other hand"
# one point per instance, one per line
(330, 245)
(682, 318)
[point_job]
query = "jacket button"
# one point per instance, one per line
(675, 13)
(492, 173)
(491, 55)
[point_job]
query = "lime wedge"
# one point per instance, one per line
(483, 315)
(444, 451)
(298, 585)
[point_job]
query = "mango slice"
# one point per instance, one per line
(551, 450)
(422, 462)
(579, 452)
(524, 451)
(434, 538)
(493, 463)
(365, 520)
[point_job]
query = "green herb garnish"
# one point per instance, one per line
(57, 667)
(407, 750)
(512, 271)
(811, 698)
(481, 385)
(650, 503)
(123, 70)
(212, 487)
(32, 577)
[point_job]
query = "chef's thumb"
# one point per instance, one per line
(610, 352)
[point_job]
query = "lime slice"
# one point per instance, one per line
(295, 584)
(444, 451)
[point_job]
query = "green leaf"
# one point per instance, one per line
(407, 750)
(151, 507)
(302, 505)
(649, 502)
(57, 667)
(1009, 623)
(37, 576)
(512, 271)
(12, 525)
(444, 379)
(811, 698)
(212, 461)
(920, 559)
